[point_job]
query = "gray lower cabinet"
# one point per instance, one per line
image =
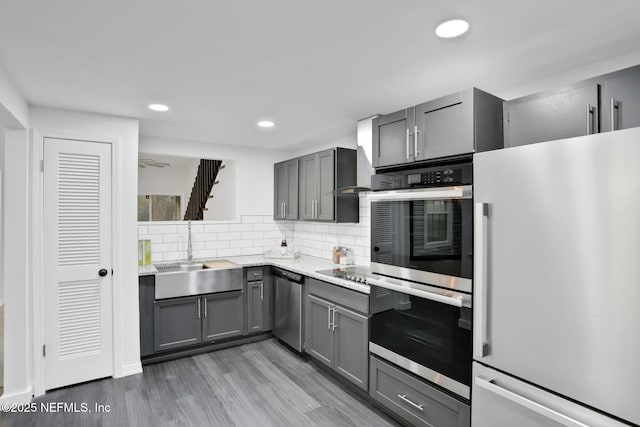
(146, 295)
(177, 323)
(414, 400)
(286, 190)
(186, 321)
(222, 316)
(336, 335)
(563, 113)
(259, 299)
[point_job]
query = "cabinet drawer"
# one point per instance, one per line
(415, 400)
(254, 274)
(337, 294)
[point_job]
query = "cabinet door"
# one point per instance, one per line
(281, 189)
(291, 199)
(255, 307)
(352, 346)
(267, 303)
(622, 92)
(392, 135)
(319, 338)
(222, 315)
(146, 294)
(308, 186)
(444, 127)
(325, 208)
(552, 115)
(177, 323)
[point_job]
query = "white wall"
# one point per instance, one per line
(56, 122)
(16, 267)
(222, 207)
(254, 168)
(14, 110)
(2, 130)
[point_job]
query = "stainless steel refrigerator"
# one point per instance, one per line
(557, 283)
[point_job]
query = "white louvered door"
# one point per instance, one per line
(77, 245)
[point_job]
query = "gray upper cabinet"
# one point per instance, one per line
(286, 190)
(392, 143)
(336, 335)
(621, 99)
(177, 323)
(321, 174)
(458, 124)
(222, 316)
(563, 113)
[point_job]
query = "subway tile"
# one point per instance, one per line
(268, 219)
(194, 245)
(229, 236)
(355, 231)
(206, 237)
(142, 229)
(155, 238)
(162, 229)
(252, 251)
(156, 257)
(273, 234)
(363, 260)
(252, 235)
(206, 254)
(322, 228)
(263, 227)
(216, 228)
(363, 241)
(241, 243)
(229, 252)
(267, 243)
(298, 226)
(216, 244)
(252, 219)
(174, 256)
(359, 250)
(174, 238)
(346, 240)
(240, 227)
(315, 252)
(331, 238)
(336, 229)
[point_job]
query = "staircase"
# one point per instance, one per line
(205, 180)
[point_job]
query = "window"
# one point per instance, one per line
(158, 208)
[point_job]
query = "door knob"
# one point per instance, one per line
(102, 272)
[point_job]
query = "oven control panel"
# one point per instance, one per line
(458, 174)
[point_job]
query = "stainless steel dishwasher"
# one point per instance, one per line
(289, 308)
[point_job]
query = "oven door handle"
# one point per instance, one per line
(447, 193)
(444, 296)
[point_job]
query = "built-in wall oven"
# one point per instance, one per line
(421, 264)
(421, 225)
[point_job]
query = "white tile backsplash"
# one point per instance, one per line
(254, 234)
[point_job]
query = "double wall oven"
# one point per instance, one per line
(422, 261)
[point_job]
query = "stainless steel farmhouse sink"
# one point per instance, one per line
(176, 280)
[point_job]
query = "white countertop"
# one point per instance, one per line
(305, 265)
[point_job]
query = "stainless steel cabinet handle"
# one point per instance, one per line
(536, 407)
(589, 119)
(328, 317)
(614, 110)
(333, 321)
(415, 405)
(408, 134)
(261, 292)
(205, 308)
(198, 308)
(416, 153)
(480, 227)
(285, 209)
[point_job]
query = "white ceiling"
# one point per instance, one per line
(314, 66)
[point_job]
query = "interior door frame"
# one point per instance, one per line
(37, 315)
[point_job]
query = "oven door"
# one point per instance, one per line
(424, 235)
(424, 330)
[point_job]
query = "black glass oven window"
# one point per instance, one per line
(424, 331)
(426, 235)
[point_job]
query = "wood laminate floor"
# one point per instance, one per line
(258, 384)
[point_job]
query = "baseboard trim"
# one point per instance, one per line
(131, 369)
(22, 397)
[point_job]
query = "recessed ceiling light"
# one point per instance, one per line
(266, 124)
(158, 107)
(452, 28)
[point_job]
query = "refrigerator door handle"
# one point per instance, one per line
(480, 226)
(528, 403)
